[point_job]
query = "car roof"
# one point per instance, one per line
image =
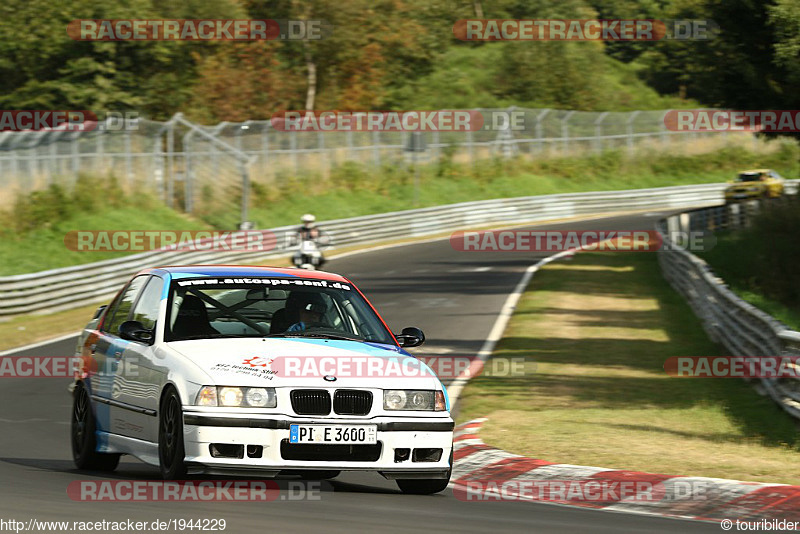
(250, 271)
(756, 171)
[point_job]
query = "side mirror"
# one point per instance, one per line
(410, 337)
(135, 331)
(99, 311)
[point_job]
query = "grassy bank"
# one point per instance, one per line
(767, 276)
(595, 333)
(32, 235)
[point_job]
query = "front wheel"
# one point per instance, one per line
(170, 437)
(426, 486)
(82, 433)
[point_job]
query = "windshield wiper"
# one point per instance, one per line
(215, 336)
(324, 335)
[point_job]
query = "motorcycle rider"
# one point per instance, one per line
(309, 228)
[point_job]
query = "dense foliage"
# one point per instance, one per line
(395, 54)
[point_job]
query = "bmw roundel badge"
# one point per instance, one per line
(329, 378)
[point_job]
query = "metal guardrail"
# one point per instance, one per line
(72, 287)
(741, 328)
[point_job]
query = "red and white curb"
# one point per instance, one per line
(500, 474)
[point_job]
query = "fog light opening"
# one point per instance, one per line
(226, 450)
(427, 455)
(401, 455)
(255, 451)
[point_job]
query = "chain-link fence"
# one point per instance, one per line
(211, 171)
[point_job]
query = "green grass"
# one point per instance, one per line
(595, 333)
(742, 275)
(32, 236)
(354, 190)
(43, 248)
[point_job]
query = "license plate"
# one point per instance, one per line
(323, 434)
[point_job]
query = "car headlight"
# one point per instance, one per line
(411, 399)
(232, 396)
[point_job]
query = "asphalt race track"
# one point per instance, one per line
(453, 296)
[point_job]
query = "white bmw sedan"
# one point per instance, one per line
(257, 371)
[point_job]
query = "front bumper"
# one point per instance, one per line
(268, 437)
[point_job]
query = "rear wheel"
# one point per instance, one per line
(170, 437)
(82, 433)
(426, 486)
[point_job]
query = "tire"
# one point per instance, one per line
(82, 435)
(425, 486)
(171, 452)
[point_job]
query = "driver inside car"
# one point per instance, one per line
(310, 311)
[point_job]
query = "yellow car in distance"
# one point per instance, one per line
(758, 183)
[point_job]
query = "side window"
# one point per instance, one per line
(146, 309)
(125, 304)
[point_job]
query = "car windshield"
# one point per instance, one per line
(205, 308)
(749, 177)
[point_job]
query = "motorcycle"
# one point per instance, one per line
(308, 256)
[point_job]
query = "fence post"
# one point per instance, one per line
(293, 147)
(245, 193)
(470, 147)
(53, 158)
(539, 129)
(376, 149)
(265, 149)
(129, 159)
(76, 161)
(188, 178)
(664, 131)
(629, 129)
(598, 131)
(171, 163)
(158, 164)
(565, 130)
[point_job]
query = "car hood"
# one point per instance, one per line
(298, 362)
